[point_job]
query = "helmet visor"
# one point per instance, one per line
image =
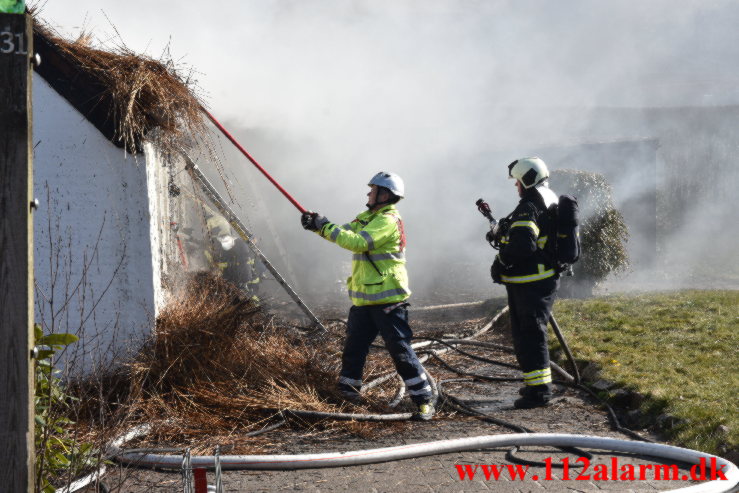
(510, 168)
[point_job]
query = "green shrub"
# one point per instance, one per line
(58, 454)
(603, 232)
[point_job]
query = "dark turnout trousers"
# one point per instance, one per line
(530, 308)
(365, 322)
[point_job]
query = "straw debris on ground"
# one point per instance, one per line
(219, 366)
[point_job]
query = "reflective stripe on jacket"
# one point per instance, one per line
(374, 237)
(524, 246)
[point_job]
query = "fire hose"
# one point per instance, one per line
(385, 454)
(338, 459)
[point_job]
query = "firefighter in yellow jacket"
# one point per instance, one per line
(378, 288)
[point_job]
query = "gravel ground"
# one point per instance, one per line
(571, 411)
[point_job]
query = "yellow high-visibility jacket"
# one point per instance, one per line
(377, 236)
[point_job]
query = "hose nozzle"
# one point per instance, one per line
(484, 209)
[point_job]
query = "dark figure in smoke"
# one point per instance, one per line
(530, 277)
(232, 257)
(378, 288)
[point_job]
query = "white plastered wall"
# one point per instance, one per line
(95, 272)
(159, 227)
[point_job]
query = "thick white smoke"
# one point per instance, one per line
(445, 93)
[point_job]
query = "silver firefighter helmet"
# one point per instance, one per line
(391, 181)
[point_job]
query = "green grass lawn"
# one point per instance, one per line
(681, 349)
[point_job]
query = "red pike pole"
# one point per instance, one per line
(253, 161)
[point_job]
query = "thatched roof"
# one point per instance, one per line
(125, 95)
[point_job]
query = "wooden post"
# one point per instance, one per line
(16, 256)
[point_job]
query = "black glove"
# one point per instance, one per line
(490, 236)
(495, 271)
(312, 221)
(306, 220)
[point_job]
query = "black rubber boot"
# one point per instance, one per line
(352, 397)
(533, 396)
(350, 393)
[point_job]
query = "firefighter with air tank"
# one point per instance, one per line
(378, 289)
(230, 256)
(530, 274)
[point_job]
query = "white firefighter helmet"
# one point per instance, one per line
(530, 171)
(391, 181)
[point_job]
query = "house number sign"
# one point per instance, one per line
(11, 42)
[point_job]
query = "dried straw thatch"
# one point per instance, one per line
(141, 94)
